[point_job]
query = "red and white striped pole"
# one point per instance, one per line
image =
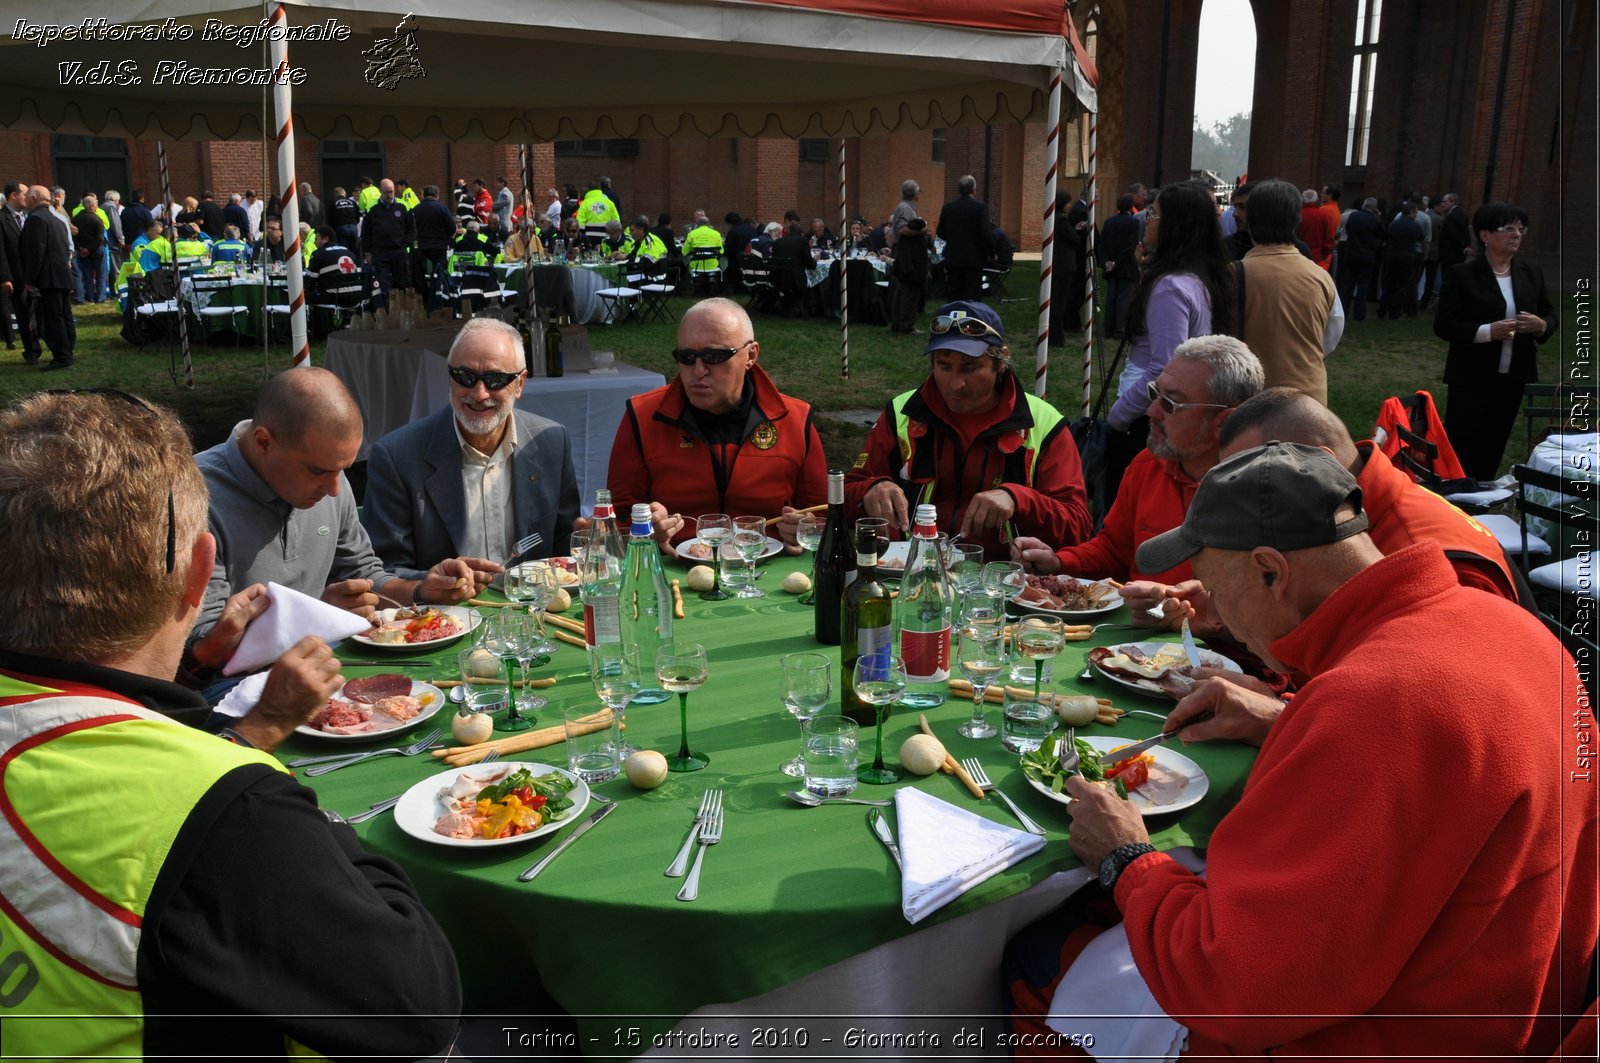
(288, 187)
(169, 229)
(1041, 357)
(1089, 267)
(844, 274)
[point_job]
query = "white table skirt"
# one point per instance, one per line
(380, 369)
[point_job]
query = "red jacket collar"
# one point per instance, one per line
(769, 400)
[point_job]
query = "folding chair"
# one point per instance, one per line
(155, 302)
(1559, 404)
(654, 291)
(1418, 456)
(994, 284)
(755, 277)
(618, 303)
(212, 302)
(705, 271)
(1570, 584)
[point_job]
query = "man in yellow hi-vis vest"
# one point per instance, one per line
(164, 891)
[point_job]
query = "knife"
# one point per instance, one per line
(1188, 645)
(605, 809)
(1127, 752)
(880, 827)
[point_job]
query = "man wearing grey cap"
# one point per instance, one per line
(1406, 871)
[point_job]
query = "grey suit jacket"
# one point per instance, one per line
(415, 507)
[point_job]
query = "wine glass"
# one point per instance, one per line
(614, 670)
(808, 533)
(750, 539)
(966, 567)
(880, 679)
(805, 684)
(1040, 638)
(1004, 576)
(680, 668)
(537, 584)
(712, 529)
(982, 608)
(507, 635)
(981, 656)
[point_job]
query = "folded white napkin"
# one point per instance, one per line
(243, 697)
(1103, 999)
(948, 850)
(291, 617)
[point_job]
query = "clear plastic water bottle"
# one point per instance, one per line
(646, 602)
(922, 615)
(601, 571)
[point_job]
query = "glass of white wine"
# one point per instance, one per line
(680, 668)
(805, 684)
(809, 535)
(1040, 638)
(750, 539)
(981, 656)
(712, 529)
(880, 679)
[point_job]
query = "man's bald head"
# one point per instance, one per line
(38, 194)
(1288, 415)
(299, 402)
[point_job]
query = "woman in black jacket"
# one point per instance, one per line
(1493, 309)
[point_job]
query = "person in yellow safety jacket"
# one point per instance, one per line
(230, 248)
(640, 243)
(153, 250)
(130, 268)
(702, 237)
(144, 918)
(404, 193)
(367, 194)
(471, 248)
(192, 244)
(99, 213)
(308, 243)
(595, 211)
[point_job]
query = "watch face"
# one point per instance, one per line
(1108, 871)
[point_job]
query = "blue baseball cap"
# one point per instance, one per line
(966, 327)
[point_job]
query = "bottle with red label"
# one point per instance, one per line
(601, 570)
(922, 614)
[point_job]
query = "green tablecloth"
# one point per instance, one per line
(788, 891)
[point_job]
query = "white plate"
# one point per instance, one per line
(1194, 788)
(432, 699)
(892, 562)
(419, 808)
(773, 546)
(1150, 649)
(465, 616)
(566, 566)
(1112, 605)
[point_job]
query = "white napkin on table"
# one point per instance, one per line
(291, 617)
(948, 850)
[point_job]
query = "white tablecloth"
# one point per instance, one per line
(380, 369)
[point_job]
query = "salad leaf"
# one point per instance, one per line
(1043, 765)
(552, 787)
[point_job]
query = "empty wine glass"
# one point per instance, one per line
(1004, 576)
(712, 529)
(805, 685)
(1040, 638)
(808, 533)
(982, 608)
(537, 584)
(966, 567)
(680, 668)
(750, 539)
(879, 679)
(614, 671)
(509, 634)
(981, 656)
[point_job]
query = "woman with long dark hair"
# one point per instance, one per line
(1186, 290)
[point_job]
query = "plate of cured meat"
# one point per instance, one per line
(1156, 668)
(374, 706)
(1068, 598)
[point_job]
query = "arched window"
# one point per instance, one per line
(1363, 81)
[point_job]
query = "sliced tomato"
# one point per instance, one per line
(1133, 773)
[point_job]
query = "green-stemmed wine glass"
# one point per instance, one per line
(880, 679)
(680, 668)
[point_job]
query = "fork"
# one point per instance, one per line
(426, 742)
(380, 807)
(330, 758)
(710, 834)
(981, 777)
(680, 863)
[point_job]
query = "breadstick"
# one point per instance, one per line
(677, 600)
(951, 766)
(571, 640)
(482, 603)
(563, 622)
(456, 756)
(547, 681)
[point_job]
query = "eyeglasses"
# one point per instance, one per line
(1520, 230)
(1152, 214)
(172, 512)
(964, 324)
(708, 355)
(1172, 405)
(468, 378)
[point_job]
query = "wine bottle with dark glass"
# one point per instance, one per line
(835, 564)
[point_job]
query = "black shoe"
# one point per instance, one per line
(30, 357)
(56, 363)
(10, 346)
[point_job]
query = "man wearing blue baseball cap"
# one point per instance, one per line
(996, 460)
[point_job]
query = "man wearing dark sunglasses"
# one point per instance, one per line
(473, 480)
(993, 458)
(720, 438)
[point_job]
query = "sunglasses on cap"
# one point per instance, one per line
(468, 378)
(708, 355)
(967, 326)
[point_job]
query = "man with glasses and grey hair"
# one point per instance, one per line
(719, 437)
(1207, 377)
(973, 441)
(475, 479)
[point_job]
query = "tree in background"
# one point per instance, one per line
(1225, 147)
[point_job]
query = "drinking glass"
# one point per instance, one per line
(1024, 724)
(1004, 576)
(804, 684)
(730, 569)
(809, 535)
(518, 638)
(712, 529)
(537, 582)
(484, 684)
(593, 754)
(981, 656)
(617, 681)
(750, 539)
(880, 679)
(966, 567)
(680, 668)
(1040, 638)
(982, 608)
(831, 745)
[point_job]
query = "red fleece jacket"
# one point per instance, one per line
(1153, 498)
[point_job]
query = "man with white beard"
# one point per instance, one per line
(476, 478)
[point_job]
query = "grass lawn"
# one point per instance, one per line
(1375, 360)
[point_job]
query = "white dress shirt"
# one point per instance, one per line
(486, 482)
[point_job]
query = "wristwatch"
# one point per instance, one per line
(1112, 865)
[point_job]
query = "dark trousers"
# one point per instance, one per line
(349, 235)
(431, 269)
(1430, 281)
(1119, 292)
(1399, 287)
(907, 304)
(963, 282)
(1478, 418)
(1355, 285)
(1121, 449)
(393, 270)
(6, 332)
(52, 309)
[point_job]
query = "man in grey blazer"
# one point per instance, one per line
(475, 478)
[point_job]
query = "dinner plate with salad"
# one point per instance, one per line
(482, 806)
(424, 628)
(1159, 781)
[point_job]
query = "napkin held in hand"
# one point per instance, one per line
(948, 850)
(290, 617)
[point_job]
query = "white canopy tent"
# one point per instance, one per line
(602, 68)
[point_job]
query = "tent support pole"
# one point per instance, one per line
(1041, 357)
(289, 202)
(844, 273)
(1088, 260)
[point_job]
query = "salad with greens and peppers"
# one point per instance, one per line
(514, 804)
(1043, 765)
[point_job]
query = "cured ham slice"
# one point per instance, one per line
(339, 716)
(398, 708)
(371, 689)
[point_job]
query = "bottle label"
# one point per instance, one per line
(926, 655)
(603, 511)
(925, 531)
(874, 640)
(602, 620)
(866, 560)
(640, 531)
